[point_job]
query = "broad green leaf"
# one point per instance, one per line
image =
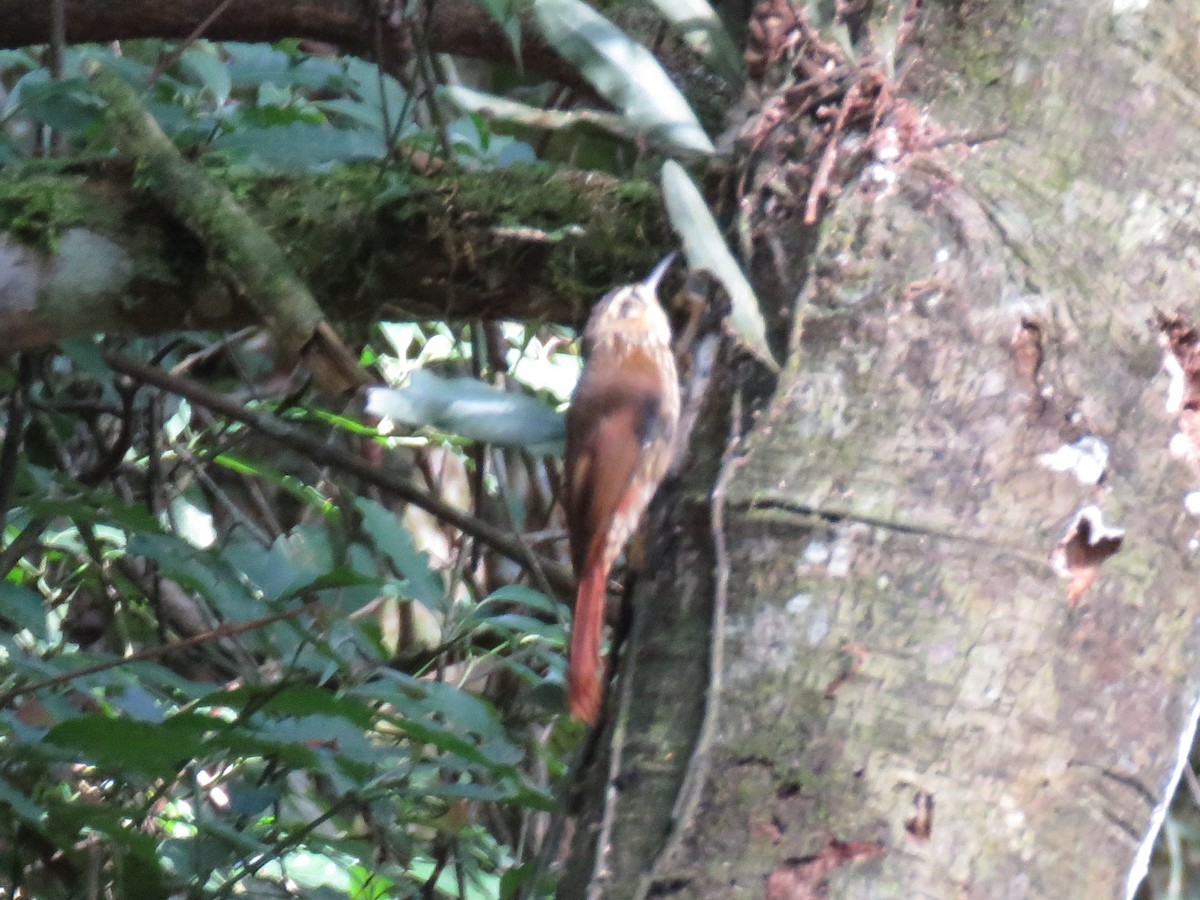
(624, 73)
(461, 711)
(251, 65)
(68, 105)
(298, 146)
(390, 536)
(477, 145)
(706, 251)
(375, 95)
(200, 571)
(158, 750)
(245, 741)
(23, 607)
(471, 409)
(296, 558)
(205, 67)
(504, 12)
(525, 626)
(20, 803)
(294, 701)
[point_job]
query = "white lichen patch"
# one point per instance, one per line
(1086, 459)
(833, 559)
(814, 555)
(840, 558)
(1180, 447)
(1175, 388)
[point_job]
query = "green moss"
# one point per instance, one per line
(596, 230)
(38, 209)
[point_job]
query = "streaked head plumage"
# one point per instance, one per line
(635, 308)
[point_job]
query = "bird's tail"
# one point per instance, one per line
(583, 681)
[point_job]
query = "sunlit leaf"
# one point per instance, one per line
(624, 73)
(505, 110)
(471, 409)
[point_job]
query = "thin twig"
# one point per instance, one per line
(232, 629)
(175, 55)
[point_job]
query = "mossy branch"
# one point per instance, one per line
(253, 261)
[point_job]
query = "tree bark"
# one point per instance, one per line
(894, 640)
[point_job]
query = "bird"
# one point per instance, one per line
(621, 428)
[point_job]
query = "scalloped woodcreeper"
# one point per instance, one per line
(620, 440)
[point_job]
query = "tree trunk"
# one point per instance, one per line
(903, 701)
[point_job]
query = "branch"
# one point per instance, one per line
(254, 261)
(231, 629)
(460, 27)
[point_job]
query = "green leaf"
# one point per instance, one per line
(390, 536)
(295, 559)
(624, 73)
(21, 804)
(298, 146)
(706, 251)
(202, 65)
(157, 750)
(504, 13)
(375, 94)
(24, 608)
(69, 105)
(526, 596)
(471, 409)
(251, 65)
(201, 571)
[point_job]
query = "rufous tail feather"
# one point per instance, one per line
(583, 681)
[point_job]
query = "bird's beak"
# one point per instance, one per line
(660, 270)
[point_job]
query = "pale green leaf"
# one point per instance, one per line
(707, 251)
(624, 73)
(471, 409)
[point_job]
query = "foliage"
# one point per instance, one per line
(333, 743)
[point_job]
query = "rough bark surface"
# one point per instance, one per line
(894, 627)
